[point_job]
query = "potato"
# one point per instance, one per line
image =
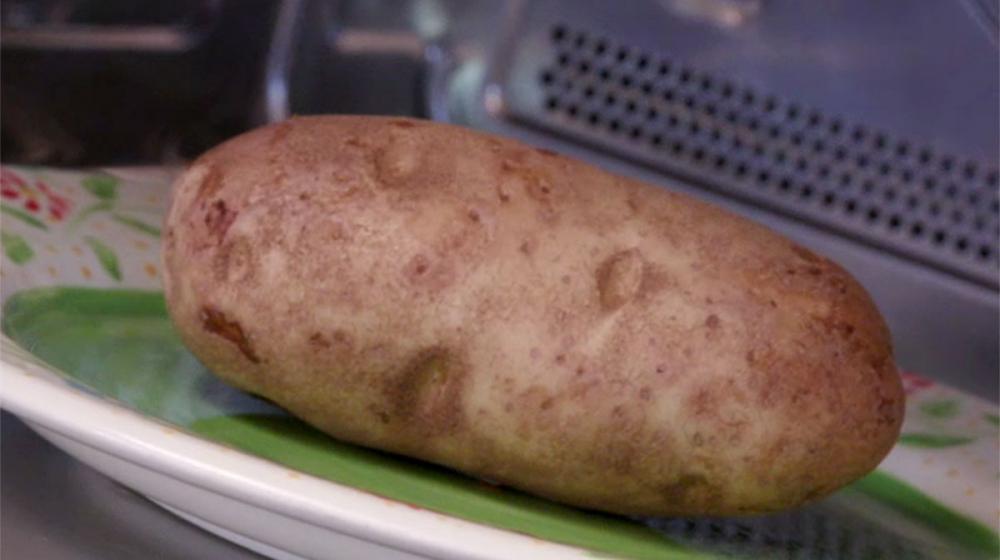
(527, 318)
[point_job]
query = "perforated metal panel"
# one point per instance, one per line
(900, 194)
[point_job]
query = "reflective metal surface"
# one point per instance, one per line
(57, 508)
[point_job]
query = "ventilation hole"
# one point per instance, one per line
(845, 179)
(740, 170)
(969, 171)
(710, 109)
(715, 135)
(770, 104)
(698, 154)
(677, 148)
(840, 153)
(727, 90)
(622, 54)
(836, 126)
(902, 149)
(580, 40)
(732, 117)
(572, 110)
(583, 67)
(889, 195)
(558, 33)
(851, 206)
(547, 77)
(663, 69)
(973, 198)
(626, 81)
(991, 179)
(588, 92)
(818, 146)
(957, 217)
(763, 177)
(594, 119)
(720, 162)
(748, 97)
(601, 47)
(551, 103)
(867, 187)
(689, 101)
(930, 184)
(685, 76)
(880, 141)
(829, 199)
(604, 74)
(563, 60)
(736, 143)
(979, 223)
(822, 171)
(635, 133)
(758, 149)
(630, 107)
(792, 112)
(609, 99)
(862, 161)
(806, 191)
(672, 121)
(652, 114)
(984, 252)
(642, 63)
(906, 176)
(946, 164)
(656, 139)
(646, 87)
(796, 139)
(785, 184)
(872, 214)
(924, 156)
(859, 134)
(752, 123)
(951, 190)
(614, 125)
(780, 156)
(894, 222)
(939, 236)
(883, 169)
(706, 83)
(912, 202)
(917, 229)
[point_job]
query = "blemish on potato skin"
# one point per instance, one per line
(547, 152)
(318, 340)
(216, 322)
(218, 218)
(712, 322)
(619, 278)
(427, 392)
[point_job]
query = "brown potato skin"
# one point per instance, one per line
(527, 318)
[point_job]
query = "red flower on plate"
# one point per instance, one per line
(913, 383)
(33, 198)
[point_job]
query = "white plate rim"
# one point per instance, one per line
(28, 391)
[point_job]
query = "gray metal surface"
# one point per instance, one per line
(741, 126)
(57, 508)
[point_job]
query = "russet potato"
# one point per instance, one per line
(527, 318)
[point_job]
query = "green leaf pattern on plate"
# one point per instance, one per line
(23, 216)
(135, 224)
(106, 256)
(933, 440)
(16, 248)
(102, 186)
(941, 408)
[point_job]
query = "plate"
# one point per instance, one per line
(91, 361)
